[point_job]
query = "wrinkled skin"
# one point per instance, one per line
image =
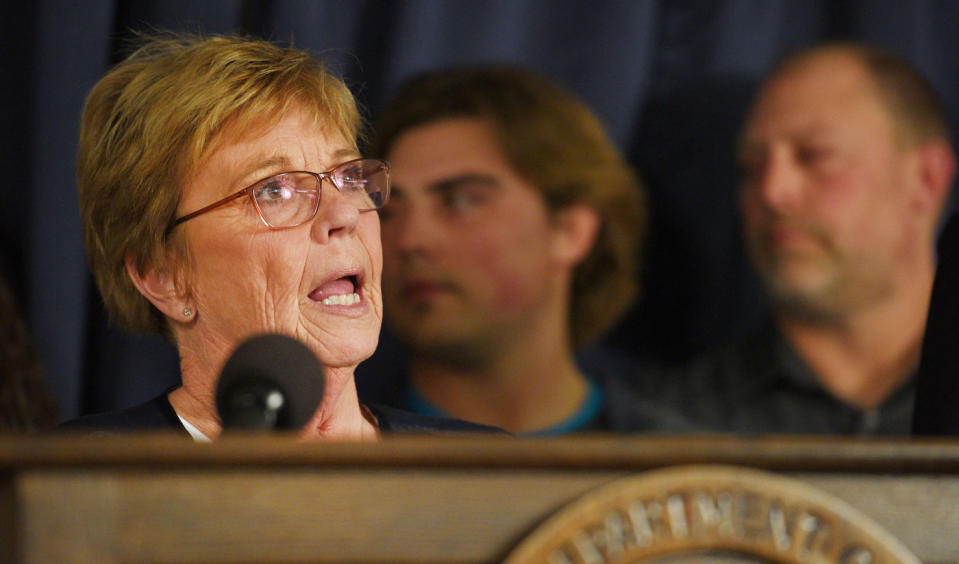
(245, 278)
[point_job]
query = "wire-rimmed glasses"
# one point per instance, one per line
(291, 198)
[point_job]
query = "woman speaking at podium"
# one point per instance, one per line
(223, 196)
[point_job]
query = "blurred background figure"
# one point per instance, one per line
(511, 241)
(847, 163)
(25, 402)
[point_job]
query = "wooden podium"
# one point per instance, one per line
(159, 498)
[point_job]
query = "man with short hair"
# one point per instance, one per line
(511, 240)
(847, 164)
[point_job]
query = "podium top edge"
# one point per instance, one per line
(587, 452)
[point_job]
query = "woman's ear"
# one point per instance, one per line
(163, 290)
(575, 229)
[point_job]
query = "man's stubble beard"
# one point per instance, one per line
(455, 346)
(837, 283)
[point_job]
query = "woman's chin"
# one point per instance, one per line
(338, 341)
(344, 354)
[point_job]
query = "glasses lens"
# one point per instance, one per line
(287, 199)
(365, 181)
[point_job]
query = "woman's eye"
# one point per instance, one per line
(273, 191)
(351, 174)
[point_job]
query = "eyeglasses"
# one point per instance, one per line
(289, 199)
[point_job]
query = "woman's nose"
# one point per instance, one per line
(336, 214)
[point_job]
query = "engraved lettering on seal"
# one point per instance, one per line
(697, 509)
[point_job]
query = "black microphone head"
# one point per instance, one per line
(269, 382)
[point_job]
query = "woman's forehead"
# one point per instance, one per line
(288, 139)
(246, 126)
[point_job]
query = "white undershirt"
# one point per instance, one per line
(197, 435)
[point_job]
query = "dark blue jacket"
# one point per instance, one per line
(158, 414)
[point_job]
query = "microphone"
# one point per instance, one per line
(270, 382)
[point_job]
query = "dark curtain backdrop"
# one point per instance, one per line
(670, 79)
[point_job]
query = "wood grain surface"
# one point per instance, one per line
(159, 498)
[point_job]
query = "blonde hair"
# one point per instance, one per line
(560, 147)
(148, 125)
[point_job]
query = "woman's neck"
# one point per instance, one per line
(338, 417)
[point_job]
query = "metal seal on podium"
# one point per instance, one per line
(709, 514)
